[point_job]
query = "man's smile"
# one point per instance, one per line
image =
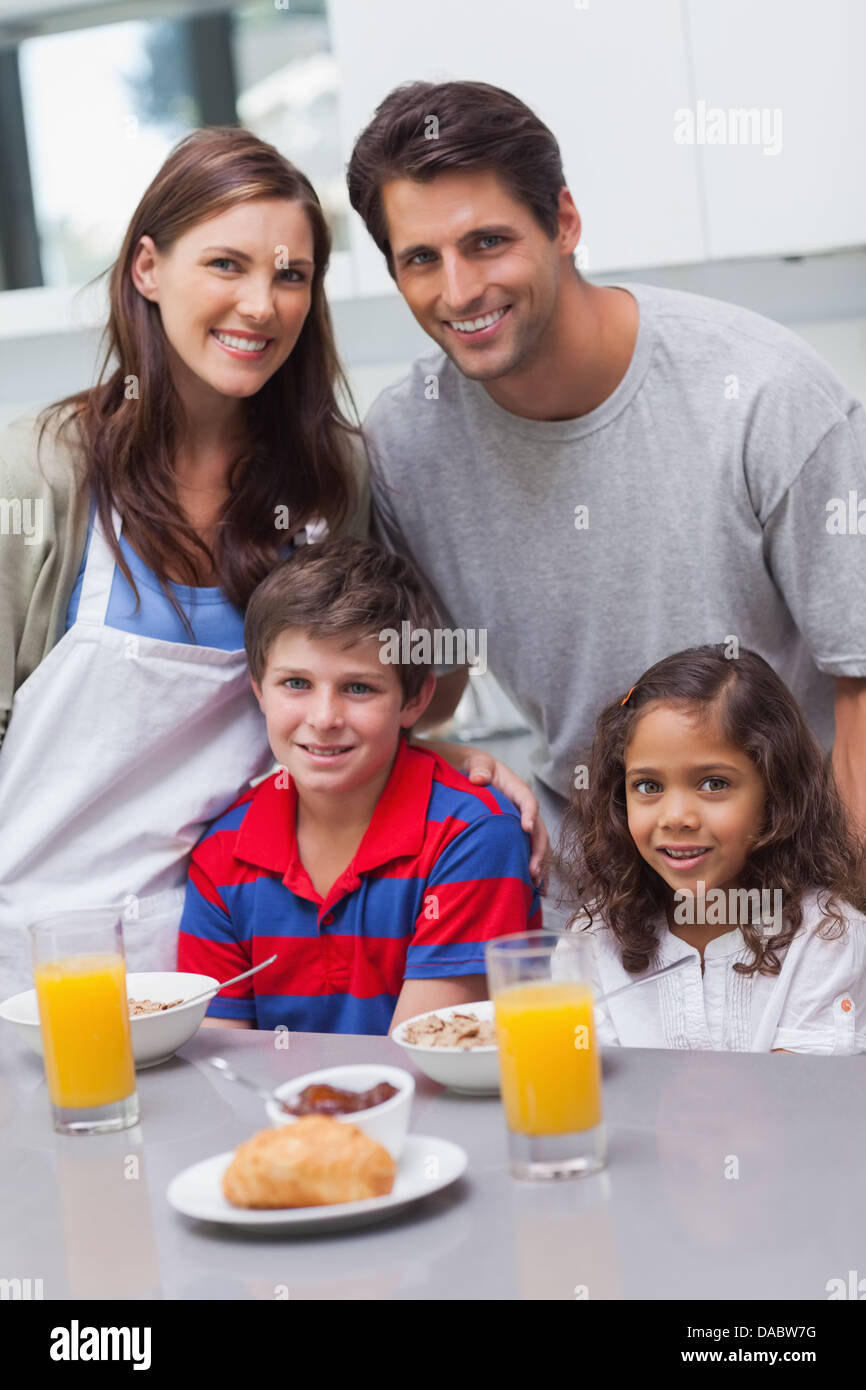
(482, 327)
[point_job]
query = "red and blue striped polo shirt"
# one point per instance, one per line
(442, 868)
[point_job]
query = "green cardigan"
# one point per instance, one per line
(44, 519)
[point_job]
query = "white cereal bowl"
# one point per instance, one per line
(472, 1071)
(155, 1037)
(387, 1123)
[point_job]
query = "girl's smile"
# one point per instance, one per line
(682, 857)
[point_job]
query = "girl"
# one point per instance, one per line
(163, 495)
(711, 830)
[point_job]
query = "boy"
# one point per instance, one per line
(372, 868)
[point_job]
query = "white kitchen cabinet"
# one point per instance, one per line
(807, 63)
(605, 75)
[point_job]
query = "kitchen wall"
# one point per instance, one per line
(49, 346)
(777, 224)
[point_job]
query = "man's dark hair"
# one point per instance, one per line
(340, 588)
(476, 127)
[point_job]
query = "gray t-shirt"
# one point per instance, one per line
(716, 482)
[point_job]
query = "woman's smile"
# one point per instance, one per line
(242, 345)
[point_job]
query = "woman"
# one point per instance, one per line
(163, 495)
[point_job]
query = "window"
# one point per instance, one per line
(288, 94)
(102, 106)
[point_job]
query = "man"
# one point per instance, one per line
(599, 476)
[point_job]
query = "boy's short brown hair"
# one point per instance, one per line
(340, 587)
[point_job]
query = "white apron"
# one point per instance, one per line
(119, 750)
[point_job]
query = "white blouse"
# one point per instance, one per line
(814, 1004)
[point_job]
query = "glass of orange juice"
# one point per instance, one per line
(550, 1071)
(80, 974)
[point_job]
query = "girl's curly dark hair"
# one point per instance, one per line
(806, 840)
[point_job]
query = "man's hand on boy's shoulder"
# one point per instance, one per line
(482, 769)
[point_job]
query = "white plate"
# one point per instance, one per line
(427, 1165)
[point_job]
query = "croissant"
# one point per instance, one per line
(314, 1162)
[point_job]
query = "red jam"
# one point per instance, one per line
(320, 1099)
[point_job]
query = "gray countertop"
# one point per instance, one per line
(730, 1175)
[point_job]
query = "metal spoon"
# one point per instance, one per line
(645, 979)
(209, 993)
(230, 1074)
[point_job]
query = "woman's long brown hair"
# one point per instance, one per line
(299, 441)
(806, 841)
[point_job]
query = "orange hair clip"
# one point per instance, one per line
(627, 698)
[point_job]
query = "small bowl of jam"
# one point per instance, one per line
(376, 1098)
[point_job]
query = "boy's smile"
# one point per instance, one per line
(694, 801)
(325, 750)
